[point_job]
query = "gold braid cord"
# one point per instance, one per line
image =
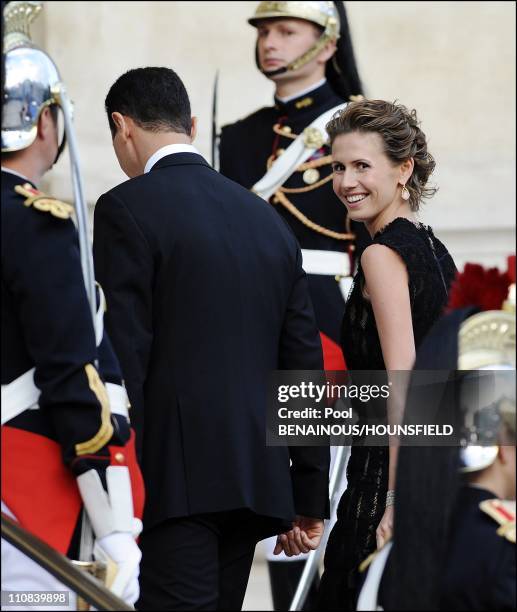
(315, 163)
(282, 131)
(308, 188)
(105, 432)
(281, 198)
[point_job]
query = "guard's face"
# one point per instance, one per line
(280, 41)
(365, 179)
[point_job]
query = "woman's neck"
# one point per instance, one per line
(389, 214)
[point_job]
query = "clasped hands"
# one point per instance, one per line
(305, 536)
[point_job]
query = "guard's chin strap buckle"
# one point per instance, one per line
(310, 54)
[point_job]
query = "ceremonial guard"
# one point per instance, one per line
(69, 471)
(280, 152)
(454, 532)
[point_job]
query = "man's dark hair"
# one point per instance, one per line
(155, 98)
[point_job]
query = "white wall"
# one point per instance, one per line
(452, 61)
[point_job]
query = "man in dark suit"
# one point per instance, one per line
(207, 296)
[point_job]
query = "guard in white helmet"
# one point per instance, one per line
(69, 471)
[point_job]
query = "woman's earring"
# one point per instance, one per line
(405, 193)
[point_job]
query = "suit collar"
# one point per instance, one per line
(180, 159)
(168, 150)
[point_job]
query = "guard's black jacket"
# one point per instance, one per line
(480, 572)
(47, 325)
(206, 297)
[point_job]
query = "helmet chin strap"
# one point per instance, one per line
(60, 149)
(273, 73)
(305, 58)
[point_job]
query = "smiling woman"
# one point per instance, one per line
(381, 167)
(382, 143)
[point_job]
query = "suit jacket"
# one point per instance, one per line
(206, 296)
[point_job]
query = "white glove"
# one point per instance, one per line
(121, 548)
(114, 524)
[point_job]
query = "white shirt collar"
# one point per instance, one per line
(168, 150)
(22, 176)
(302, 92)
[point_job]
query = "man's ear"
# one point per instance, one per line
(506, 453)
(45, 122)
(193, 128)
(327, 52)
(121, 124)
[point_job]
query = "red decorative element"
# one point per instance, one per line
(477, 286)
(503, 512)
(332, 354)
(42, 492)
(137, 481)
(38, 488)
(276, 140)
(32, 190)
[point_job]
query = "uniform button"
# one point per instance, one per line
(286, 129)
(280, 152)
(119, 457)
(311, 176)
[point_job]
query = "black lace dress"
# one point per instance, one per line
(431, 271)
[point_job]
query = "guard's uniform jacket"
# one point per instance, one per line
(481, 564)
(480, 571)
(248, 148)
(47, 325)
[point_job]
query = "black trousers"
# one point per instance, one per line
(199, 562)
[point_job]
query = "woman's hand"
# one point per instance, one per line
(385, 528)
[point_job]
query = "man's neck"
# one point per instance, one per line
(150, 144)
(288, 90)
(488, 479)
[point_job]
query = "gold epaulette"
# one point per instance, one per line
(40, 201)
(503, 512)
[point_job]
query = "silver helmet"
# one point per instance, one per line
(32, 83)
(31, 78)
(487, 349)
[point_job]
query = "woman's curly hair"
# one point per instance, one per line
(402, 138)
